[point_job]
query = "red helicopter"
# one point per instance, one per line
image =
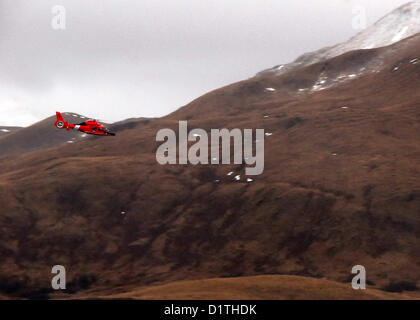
(89, 127)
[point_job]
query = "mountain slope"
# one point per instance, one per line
(8, 130)
(402, 23)
(44, 134)
(39, 136)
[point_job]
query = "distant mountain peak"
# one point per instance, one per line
(401, 23)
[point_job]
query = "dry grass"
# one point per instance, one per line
(270, 287)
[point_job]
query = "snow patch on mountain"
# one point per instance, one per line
(400, 34)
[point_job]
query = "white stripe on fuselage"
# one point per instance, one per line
(77, 127)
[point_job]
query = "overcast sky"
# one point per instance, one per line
(130, 58)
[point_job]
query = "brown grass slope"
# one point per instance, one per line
(267, 287)
(341, 187)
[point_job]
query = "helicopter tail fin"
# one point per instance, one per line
(60, 123)
(59, 116)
